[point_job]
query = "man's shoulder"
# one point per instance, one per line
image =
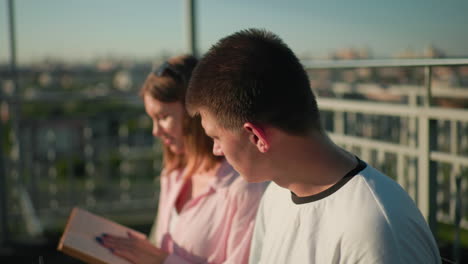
(389, 196)
(377, 200)
(276, 198)
(274, 191)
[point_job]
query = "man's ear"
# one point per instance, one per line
(257, 136)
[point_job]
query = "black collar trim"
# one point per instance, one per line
(312, 198)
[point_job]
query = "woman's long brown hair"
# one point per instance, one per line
(170, 88)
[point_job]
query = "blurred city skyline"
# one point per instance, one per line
(81, 31)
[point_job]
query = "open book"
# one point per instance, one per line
(79, 237)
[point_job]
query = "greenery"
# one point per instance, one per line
(6, 144)
(446, 233)
(78, 109)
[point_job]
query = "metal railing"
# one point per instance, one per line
(75, 150)
(405, 130)
(106, 160)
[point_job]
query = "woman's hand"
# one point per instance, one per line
(133, 248)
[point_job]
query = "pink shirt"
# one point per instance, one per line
(216, 226)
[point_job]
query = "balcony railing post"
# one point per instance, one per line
(190, 14)
(427, 180)
(3, 188)
(13, 108)
(458, 217)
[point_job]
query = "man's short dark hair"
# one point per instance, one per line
(253, 76)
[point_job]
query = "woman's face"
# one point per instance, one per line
(167, 122)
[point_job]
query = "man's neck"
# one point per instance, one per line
(313, 164)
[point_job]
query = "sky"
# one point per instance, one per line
(83, 30)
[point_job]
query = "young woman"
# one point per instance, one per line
(206, 210)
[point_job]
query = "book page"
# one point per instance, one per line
(83, 228)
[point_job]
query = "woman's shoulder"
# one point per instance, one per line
(173, 175)
(237, 185)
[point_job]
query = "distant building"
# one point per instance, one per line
(429, 51)
(432, 52)
(123, 80)
(350, 54)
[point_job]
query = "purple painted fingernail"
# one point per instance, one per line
(99, 240)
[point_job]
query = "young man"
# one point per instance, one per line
(324, 205)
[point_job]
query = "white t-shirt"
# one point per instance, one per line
(365, 218)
